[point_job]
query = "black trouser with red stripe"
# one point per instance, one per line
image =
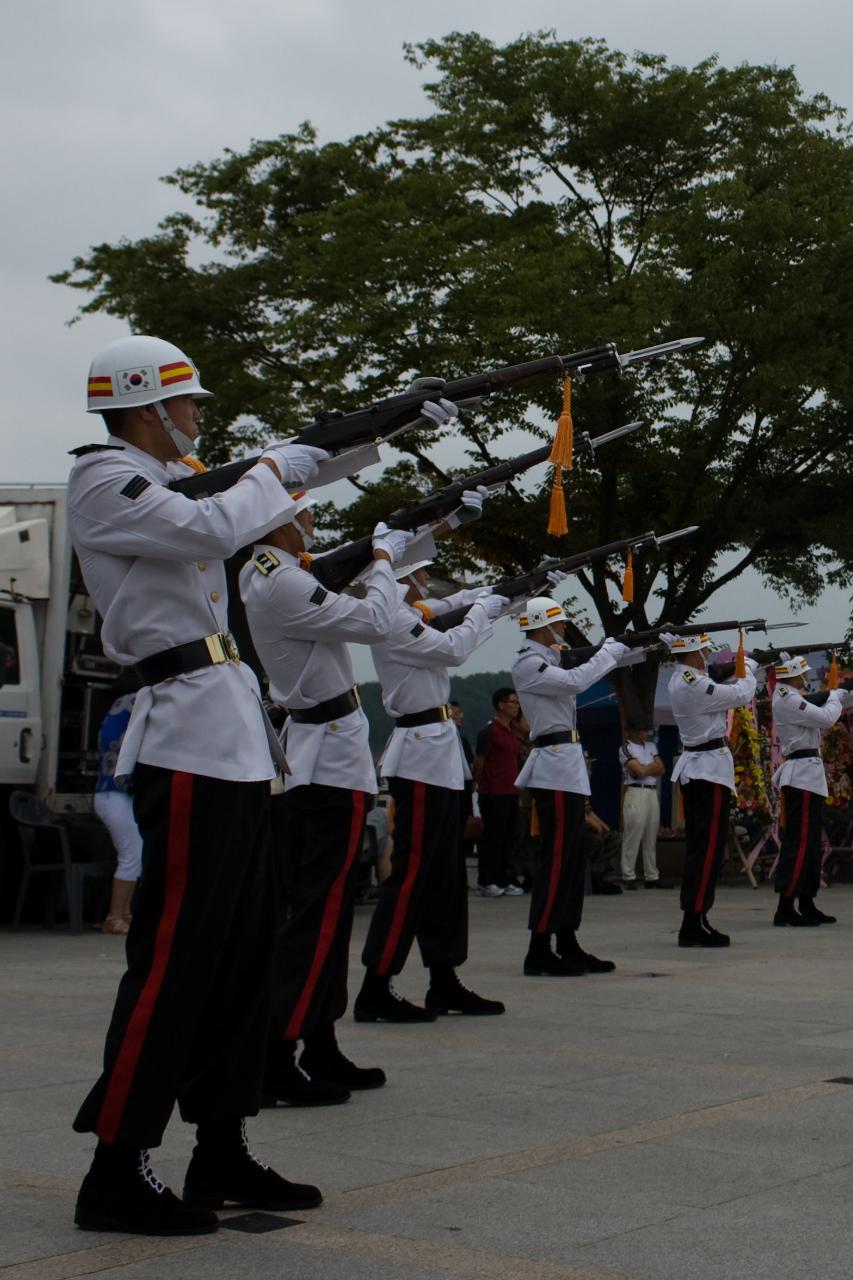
(317, 866)
(425, 896)
(191, 1015)
(706, 829)
(798, 870)
(556, 897)
(495, 846)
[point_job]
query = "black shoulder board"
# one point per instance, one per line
(318, 596)
(418, 629)
(265, 562)
(135, 486)
(710, 688)
(83, 449)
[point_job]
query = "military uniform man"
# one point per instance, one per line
(425, 895)
(706, 772)
(802, 781)
(300, 631)
(558, 779)
(189, 1023)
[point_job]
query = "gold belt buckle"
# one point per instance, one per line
(215, 649)
(356, 695)
(445, 712)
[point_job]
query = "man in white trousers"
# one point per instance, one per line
(641, 768)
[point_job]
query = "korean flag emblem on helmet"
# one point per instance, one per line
(140, 379)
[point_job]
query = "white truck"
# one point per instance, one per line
(56, 681)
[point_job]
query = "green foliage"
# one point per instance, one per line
(557, 193)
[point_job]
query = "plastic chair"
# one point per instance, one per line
(47, 846)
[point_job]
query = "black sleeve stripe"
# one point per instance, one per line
(318, 596)
(710, 689)
(418, 629)
(543, 666)
(134, 487)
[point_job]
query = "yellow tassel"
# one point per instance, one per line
(558, 525)
(304, 560)
(833, 675)
(740, 659)
(534, 820)
(628, 580)
(195, 463)
(563, 448)
(424, 609)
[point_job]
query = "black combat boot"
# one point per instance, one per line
(695, 931)
(568, 948)
(541, 961)
(224, 1171)
(377, 1001)
(285, 1082)
(812, 914)
(446, 994)
(323, 1060)
(121, 1193)
(787, 914)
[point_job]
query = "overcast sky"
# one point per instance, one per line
(100, 100)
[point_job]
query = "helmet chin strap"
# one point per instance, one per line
(182, 442)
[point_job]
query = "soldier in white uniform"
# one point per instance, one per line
(425, 896)
(706, 772)
(189, 1023)
(558, 779)
(300, 631)
(802, 781)
(641, 769)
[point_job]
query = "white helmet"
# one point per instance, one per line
(541, 611)
(303, 502)
(790, 667)
(140, 370)
(405, 570)
(690, 644)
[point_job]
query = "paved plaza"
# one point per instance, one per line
(680, 1118)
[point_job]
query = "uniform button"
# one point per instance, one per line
(214, 595)
(333, 727)
(202, 566)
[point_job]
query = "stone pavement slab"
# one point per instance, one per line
(673, 1119)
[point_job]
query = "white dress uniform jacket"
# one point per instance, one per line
(798, 724)
(700, 708)
(152, 561)
(411, 665)
(643, 753)
(548, 697)
(299, 629)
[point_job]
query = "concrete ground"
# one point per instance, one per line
(687, 1116)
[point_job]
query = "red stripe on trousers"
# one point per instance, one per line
(329, 923)
(801, 847)
(177, 862)
(711, 850)
(556, 861)
(416, 849)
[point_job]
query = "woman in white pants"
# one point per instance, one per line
(114, 806)
(641, 768)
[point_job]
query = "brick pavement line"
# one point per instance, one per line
(492, 1267)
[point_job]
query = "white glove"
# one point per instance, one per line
(298, 463)
(751, 664)
(669, 637)
(492, 605)
(614, 649)
(393, 541)
(556, 576)
(439, 412)
(470, 595)
(473, 499)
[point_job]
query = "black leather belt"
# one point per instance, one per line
(211, 651)
(713, 744)
(807, 753)
(645, 786)
(332, 709)
(434, 715)
(554, 739)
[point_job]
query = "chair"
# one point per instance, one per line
(47, 845)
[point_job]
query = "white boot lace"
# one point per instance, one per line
(245, 1141)
(148, 1175)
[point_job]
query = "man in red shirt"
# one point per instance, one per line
(495, 769)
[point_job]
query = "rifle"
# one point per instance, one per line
(531, 584)
(336, 569)
(337, 431)
(638, 639)
(721, 671)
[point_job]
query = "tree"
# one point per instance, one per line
(559, 192)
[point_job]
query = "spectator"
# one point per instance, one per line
(641, 768)
(496, 764)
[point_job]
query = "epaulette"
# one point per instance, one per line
(83, 449)
(265, 562)
(689, 677)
